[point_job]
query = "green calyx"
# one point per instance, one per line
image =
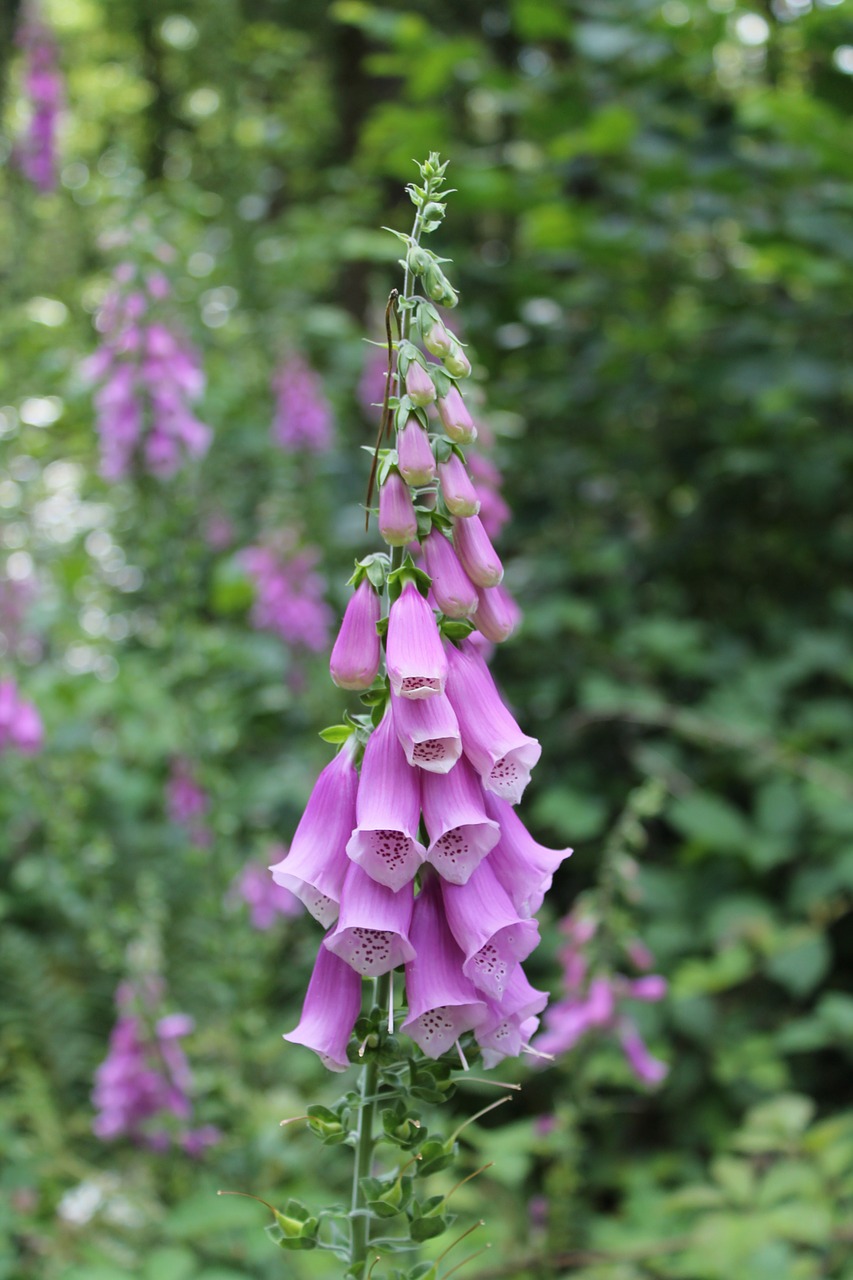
(408, 572)
(373, 567)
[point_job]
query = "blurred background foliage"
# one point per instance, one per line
(652, 240)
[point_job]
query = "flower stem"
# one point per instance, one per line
(360, 1229)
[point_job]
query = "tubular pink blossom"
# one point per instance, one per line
(646, 1067)
(398, 523)
(388, 810)
(524, 867)
(331, 1008)
(652, 987)
(357, 652)
(511, 1021)
(497, 614)
(442, 1002)
(428, 732)
(458, 492)
(454, 592)
(317, 863)
(414, 455)
(501, 754)
(491, 935)
(372, 933)
(460, 831)
(455, 418)
(419, 385)
(417, 666)
(476, 554)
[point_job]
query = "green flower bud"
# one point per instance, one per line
(418, 260)
(439, 287)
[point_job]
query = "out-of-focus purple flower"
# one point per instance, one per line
(143, 1086)
(43, 92)
(219, 531)
(497, 614)
(289, 594)
(149, 376)
(16, 598)
(303, 417)
(317, 863)
(371, 387)
(598, 1002)
(20, 723)
(266, 900)
(332, 1005)
(187, 802)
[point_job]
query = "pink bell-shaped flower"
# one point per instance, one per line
(443, 1003)
(497, 614)
(417, 666)
(357, 652)
(388, 811)
(476, 554)
(455, 418)
(419, 385)
(460, 831)
(454, 592)
(524, 867)
(372, 933)
(398, 522)
(491, 935)
(428, 732)
(331, 1008)
(414, 455)
(457, 489)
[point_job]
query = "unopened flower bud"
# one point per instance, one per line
(418, 260)
(414, 455)
(438, 341)
(497, 614)
(357, 651)
(458, 363)
(419, 385)
(457, 490)
(439, 287)
(455, 417)
(398, 523)
(454, 592)
(476, 554)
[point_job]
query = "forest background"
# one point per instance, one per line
(652, 239)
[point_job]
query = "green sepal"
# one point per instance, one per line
(387, 1197)
(429, 1226)
(295, 1227)
(422, 1271)
(373, 567)
(386, 466)
(399, 1127)
(326, 1125)
(375, 696)
(337, 733)
(455, 628)
(442, 380)
(435, 1156)
(407, 353)
(408, 572)
(424, 518)
(382, 627)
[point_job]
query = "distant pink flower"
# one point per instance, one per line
(303, 416)
(20, 723)
(266, 900)
(187, 802)
(289, 595)
(43, 93)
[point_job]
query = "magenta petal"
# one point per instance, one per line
(460, 831)
(372, 933)
(524, 867)
(502, 755)
(419, 385)
(315, 867)
(646, 1067)
(428, 732)
(357, 652)
(457, 490)
(417, 666)
(497, 614)
(398, 523)
(332, 1005)
(476, 554)
(388, 811)
(443, 1003)
(492, 936)
(510, 1022)
(414, 454)
(454, 592)
(455, 417)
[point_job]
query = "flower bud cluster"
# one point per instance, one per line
(143, 1087)
(303, 416)
(594, 1001)
(289, 593)
(149, 376)
(35, 152)
(20, 723)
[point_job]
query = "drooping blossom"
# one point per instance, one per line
(600, 1002)
(187, 803)
(149, 376)
(415, 457)
(303, 416)
(43, 93)
(428, 732)
(398, 522)
(267, 901)
(385, 840)
(143, 1087)
(316, 865)
(332, 1005)
(372, 933)
(475, 552)
(357, 653)
(20, 723)
(454, 592)
(417, 665)
(289, 593)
